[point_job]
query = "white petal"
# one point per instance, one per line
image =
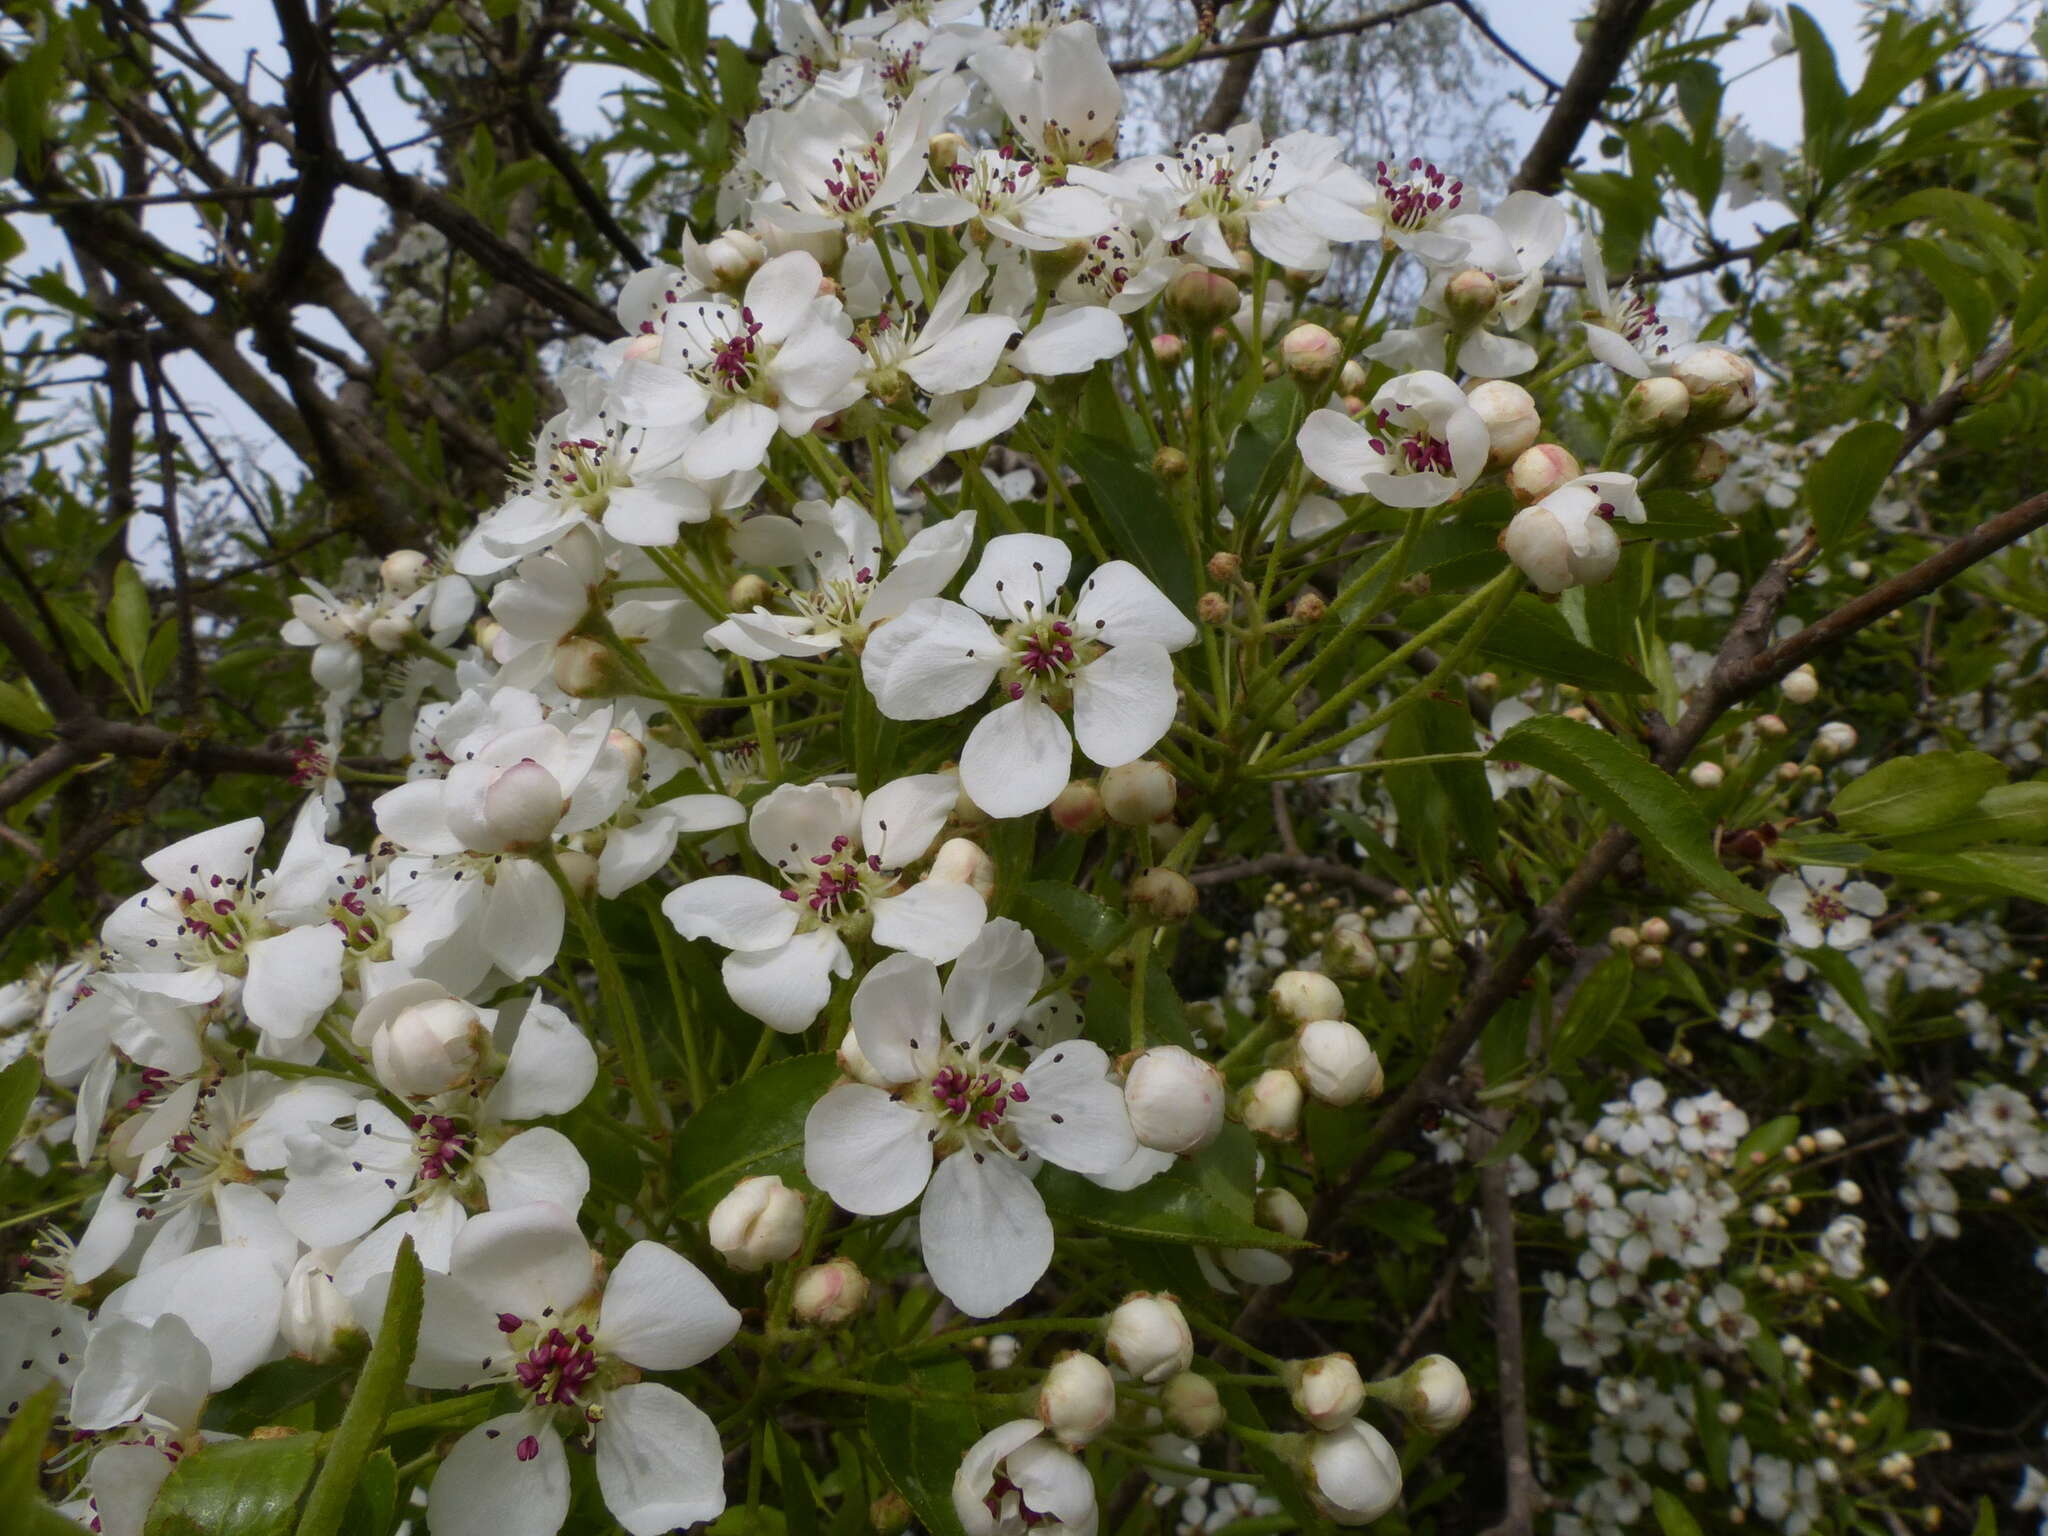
(1616, 351)
(659, 1462)
(551, 1067)
(522, 929)
(732, 910)
(1337, 450)
(736, 441)
(1017, 759)
(661, 1313)
(1119, 604)
(932, 919)
(896, 1016)
(231, 1304)
(795, 824)
(866, 1150)
(294, 977)
(899, 820)
(787, 988)
(540, 1166)
(932, 660)
(992, 983)
(987, 1238)
(525, 1260)
(1124, 701)
(414, 817)
(1017, 576)
(1075, 1115)
(964, 357)
(1072, 338)
(482, 1488)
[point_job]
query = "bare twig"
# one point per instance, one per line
(1301, 866)
(1609, 37)
(1512, 1391)
(1260, 44)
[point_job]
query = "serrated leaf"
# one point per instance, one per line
(83, 633)
(754, 1127)
(920, 1445)
(128, 616)
(1841, 487)
(1641, 796)
(1141, 522)
(1915, 794)
(1206, 1198)
(234, 1488)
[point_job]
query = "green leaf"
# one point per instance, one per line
(21, 1448)
(1767, 1140)
(1641, 796)
(920, 1445)
(1532, 635)
(1599, 1003)
(1068, 918)
(1839, 972)
(1987, 1514)
(1962, 290)
(373, 1502)
(234, 1488)
(128, 616)
(1821, 95)
(83, 633)
(1841, 487)
(22, 711)
(1206, 1198)
(2010, 813)
(1672, 1515)
(754, 1127)
(1141, 522)
(18, 1085)
(2004, 871)
(1915, 794)
(383, 1374)
(1677, 515)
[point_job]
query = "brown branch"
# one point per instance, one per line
(247, 194)
(1609, 37)
(174, 538)
(534, 119)
(1512, 1391)
(1485, 29)
(1241, 45)
(1238, 74)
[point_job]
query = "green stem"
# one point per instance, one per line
(611, 985)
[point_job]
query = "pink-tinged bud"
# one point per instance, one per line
(1077, 1399)
(1169, 463)
(1139, 794)
(1271, 1105)
(1706, 775)
(1836, 739)
(316, 1321)
(1434, 1394)
(1163, 895)
(1512, 420)
(1722, 385)
(1078, 808)
(586, 669)
(1801, 685)
(890, 1515)
(403, 571)
(760, 1222)
(1656, 930)
(962, 862)
(1175, 1100)
(428, 1047)
(1148, 1338)
(1199, 299)
(1168, 348)
(1469, 297)
(1327, 1391)
(1352, 1474)
(389, 633)
(1653, 407)
(1192, 1406)
(829, 1295)
(523, 805)
(1337, 1063)
(1279, 1210)
(1540, 470)
(1298, 997)
(1311, 355)
(1770, 727)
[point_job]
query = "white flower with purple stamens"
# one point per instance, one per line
(962, 1121)
(1108, 659)
(1623, 329)
(521, 1307)
(1823, 906)
(1415, 208)
(839, 863)
(1420, 443)
(1014, 1480)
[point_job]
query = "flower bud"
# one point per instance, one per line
(1148, 1338)
(943, 153)
(1163, 895)
(587, 669)
(1351, 378)
(1353, 1475)
(749, 592)
(426, 1047)
(1349, 950)
(1337, 1063)
(1801, 685)
(403, 571)
(1702, 461)
(1834, 740)
(1139, 794)
(1168, 348)
(1623, 937)
(853, 1061)
(1434, 1395)
(1512, 420)
(1279, 1210)
(1271, 1105)
(1470, 295)
(1309, 608)
(961, 861)
(1224, 565)
(1722, 385)
(1199, 299)
(579, 869)
(1175, 1100)
(1078, 808)
(1770, 727)
(890, 1514)
(1301, 997)
(1540, 470)
(1656, 930)
(1652, 408)
(1192, 1406)
(316, 1317)
(1169, 463)
(1311, 355)
(1648, 957)
(1327, 1391)
(1541, 550)
(1077, 1399)
(759, 1222)
(733, 257)
(1859, 570)
(523, 804)
(390, 634)
(831, 1294)
(488, 633)
(1212, 608)
(1706, 775)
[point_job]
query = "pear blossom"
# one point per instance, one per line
(140, 1390)
(1518, 242)
(1823, 906)
(1006, 195)
(1624, 330)
(840, 163)
(957, 423)
(1107, 658)
(1014, 1480)
(950, 352)
(1060, 96)
(1413, 207)
(521, 1306)
(839, 861)
(1420, 443)
(1706, 591)
(957, 1099)
(1567, 539)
